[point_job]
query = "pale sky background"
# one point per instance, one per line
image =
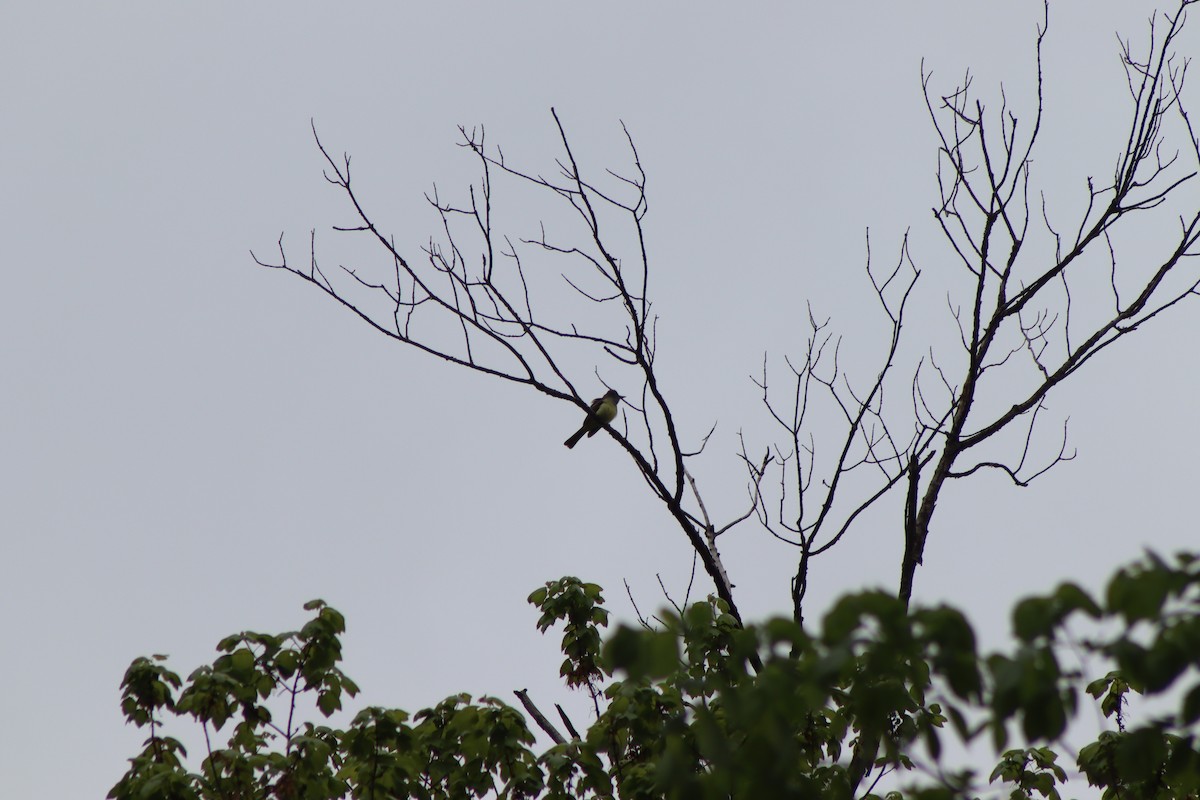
(193, 446)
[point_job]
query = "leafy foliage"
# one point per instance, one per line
(687, 714)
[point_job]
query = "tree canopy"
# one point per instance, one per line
(701, 706)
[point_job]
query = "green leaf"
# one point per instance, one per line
(1072, 597)
(1139, 754)
(242, 661)
(1033, 617)
(1190, 711)
(642, 654)
(329, 702)
(1138, 595)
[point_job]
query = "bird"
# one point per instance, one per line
(602, 411)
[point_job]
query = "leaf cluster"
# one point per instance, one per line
(704, 707)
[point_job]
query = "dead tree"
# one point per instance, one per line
(917, 429)
(468, 299)
(477, 298)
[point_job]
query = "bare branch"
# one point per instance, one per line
(539, 717)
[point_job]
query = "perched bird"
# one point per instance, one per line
(602, 412)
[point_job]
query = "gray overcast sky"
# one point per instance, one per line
(193, 446)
